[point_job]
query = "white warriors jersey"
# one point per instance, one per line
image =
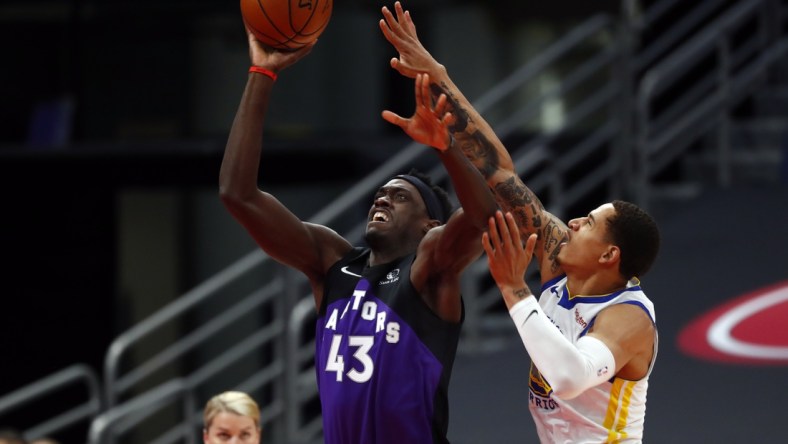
(611, 412)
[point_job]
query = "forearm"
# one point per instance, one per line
(475, 137)
(475, 197)
(481, 146)
(240, 164)
(569, 369)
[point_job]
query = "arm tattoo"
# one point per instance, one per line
(514, 196)
(522, 293)
(511, 193)
(479, 151)
(476, 147)
(553, 236)
(461, 116)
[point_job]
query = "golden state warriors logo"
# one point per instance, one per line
(540, 390)
(537, 383)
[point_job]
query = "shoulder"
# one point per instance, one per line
(354, 256)
(634, 297)
(628, 325)
(333, 247)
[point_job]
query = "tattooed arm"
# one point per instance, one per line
(478, 142)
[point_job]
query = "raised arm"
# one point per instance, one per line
(448, 249)
(307, 247)
(477, 141)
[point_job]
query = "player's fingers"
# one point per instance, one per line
(410, 27)
(513, 229)
(420, 93)
(448, 119)
(388, 17)
(394, 23)
(384, 27)
(530, 244)
(394, 118)
(504, 231)
(493, 230)
(400, 68)
(488, 248)
(400, 12)
(440, 104)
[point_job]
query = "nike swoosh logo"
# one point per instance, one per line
(347, 271)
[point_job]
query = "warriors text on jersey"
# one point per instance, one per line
(610, 412)
(383, 358)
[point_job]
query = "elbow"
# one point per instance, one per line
(230, 197)
(567, 393)
(225, 186)
(481, 216)
(477, 220)
(225, 194)
(566, 387)
(231, 186)
(480, 221)
(483, 223)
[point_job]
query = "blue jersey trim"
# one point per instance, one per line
(635, 303)
(569, 302)
(643, 307)
(551, 282)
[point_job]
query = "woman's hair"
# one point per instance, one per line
(238, 403)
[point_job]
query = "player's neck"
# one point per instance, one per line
(594, 284)
(380, 257)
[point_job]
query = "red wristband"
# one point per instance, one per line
(264, 72)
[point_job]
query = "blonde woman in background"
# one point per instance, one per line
(231, 417)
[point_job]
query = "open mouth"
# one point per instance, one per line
(380, 216)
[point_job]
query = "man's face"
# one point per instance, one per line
(587, 239)
(397, 211)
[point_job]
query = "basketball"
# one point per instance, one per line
(286, 24)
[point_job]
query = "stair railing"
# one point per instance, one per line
(727, 70)
(73, 376)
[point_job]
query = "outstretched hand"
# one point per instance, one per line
(401, 33)
(430, 123)
(507, 256)
(273, 59)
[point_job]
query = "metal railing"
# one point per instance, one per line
(124, 417)
(46, 388)
(730, 68)
(264, 333)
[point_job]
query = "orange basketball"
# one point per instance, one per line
(286, 24)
